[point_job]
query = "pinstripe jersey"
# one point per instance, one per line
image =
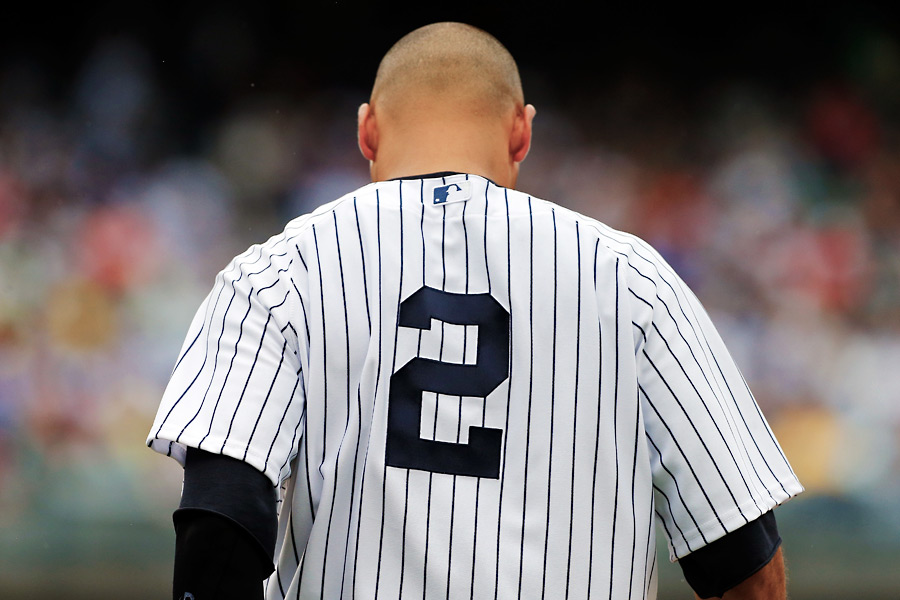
(461, 391)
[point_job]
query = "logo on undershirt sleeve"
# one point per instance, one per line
(452, 192)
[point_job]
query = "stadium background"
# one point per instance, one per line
(142, 146)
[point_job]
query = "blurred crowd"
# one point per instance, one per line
(781, 210)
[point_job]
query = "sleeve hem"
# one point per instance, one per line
(712, 529)
(163, 442)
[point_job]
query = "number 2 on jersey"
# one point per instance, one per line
(480, 457)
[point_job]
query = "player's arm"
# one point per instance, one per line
(746, 564)
(716, 463)
(225, 529)
(769, 583)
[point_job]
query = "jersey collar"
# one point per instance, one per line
(435, 175)
(428, 175)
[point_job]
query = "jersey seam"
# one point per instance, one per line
(733, 519)
(253, 458)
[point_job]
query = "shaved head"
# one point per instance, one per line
(447, 64)
(447, 97)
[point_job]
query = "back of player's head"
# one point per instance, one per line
(447, 63)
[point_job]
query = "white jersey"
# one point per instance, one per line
(467, 392)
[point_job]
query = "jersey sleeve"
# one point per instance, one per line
(236, 388)
(715, 463)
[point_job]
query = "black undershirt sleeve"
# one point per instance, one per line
(225, 529)
(721, 565)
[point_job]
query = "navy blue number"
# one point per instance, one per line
(480, 457)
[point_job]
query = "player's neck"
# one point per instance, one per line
(438, 147)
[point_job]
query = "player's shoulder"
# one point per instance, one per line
(619, 244)
(303, 224)
(297, 233)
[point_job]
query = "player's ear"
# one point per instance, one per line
(367, 133)
(520, 137)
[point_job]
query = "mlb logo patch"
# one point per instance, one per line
(453, 192)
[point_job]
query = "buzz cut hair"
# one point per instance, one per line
(449, 60)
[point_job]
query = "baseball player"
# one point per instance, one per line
(439, 387)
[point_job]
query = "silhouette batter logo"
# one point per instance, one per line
(452, 192)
